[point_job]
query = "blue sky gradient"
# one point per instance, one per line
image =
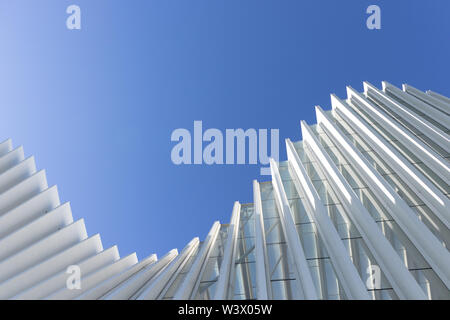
(97, 106)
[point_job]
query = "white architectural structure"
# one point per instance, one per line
(360, 210)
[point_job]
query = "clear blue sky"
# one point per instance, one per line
(97, 106)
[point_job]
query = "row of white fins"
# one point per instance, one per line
(429, 246)
(39, 239)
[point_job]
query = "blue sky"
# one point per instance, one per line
(97, 106)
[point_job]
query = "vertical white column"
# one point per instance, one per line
(395, 271)
(346, 272)
(263, 288)
(290, 231)
(229, 256)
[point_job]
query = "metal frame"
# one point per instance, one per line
(40, 240)
(428, 245)
(346, 272)
(292, 238)
(395, 271)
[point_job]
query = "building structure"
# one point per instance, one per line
(359, 210)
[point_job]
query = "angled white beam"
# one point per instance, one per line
(184, 291)
(431, 99)
(436, 95)
(426, 243)
(5, 147)
(36, 230)
(345, 270)
(23, 191)
(416, 121)
(128, 288)
(91, 279)
(403, 283)
(11, 159)
(155, 288)
(31, 209)
(41, 250)
(292, 238)
(24, 285)
(424, 189)
(191, 249)
(16, 174)
(421, 151)
(423, 107)
(263, 287)
(58, 281)
(112, 282)
(229, 256)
